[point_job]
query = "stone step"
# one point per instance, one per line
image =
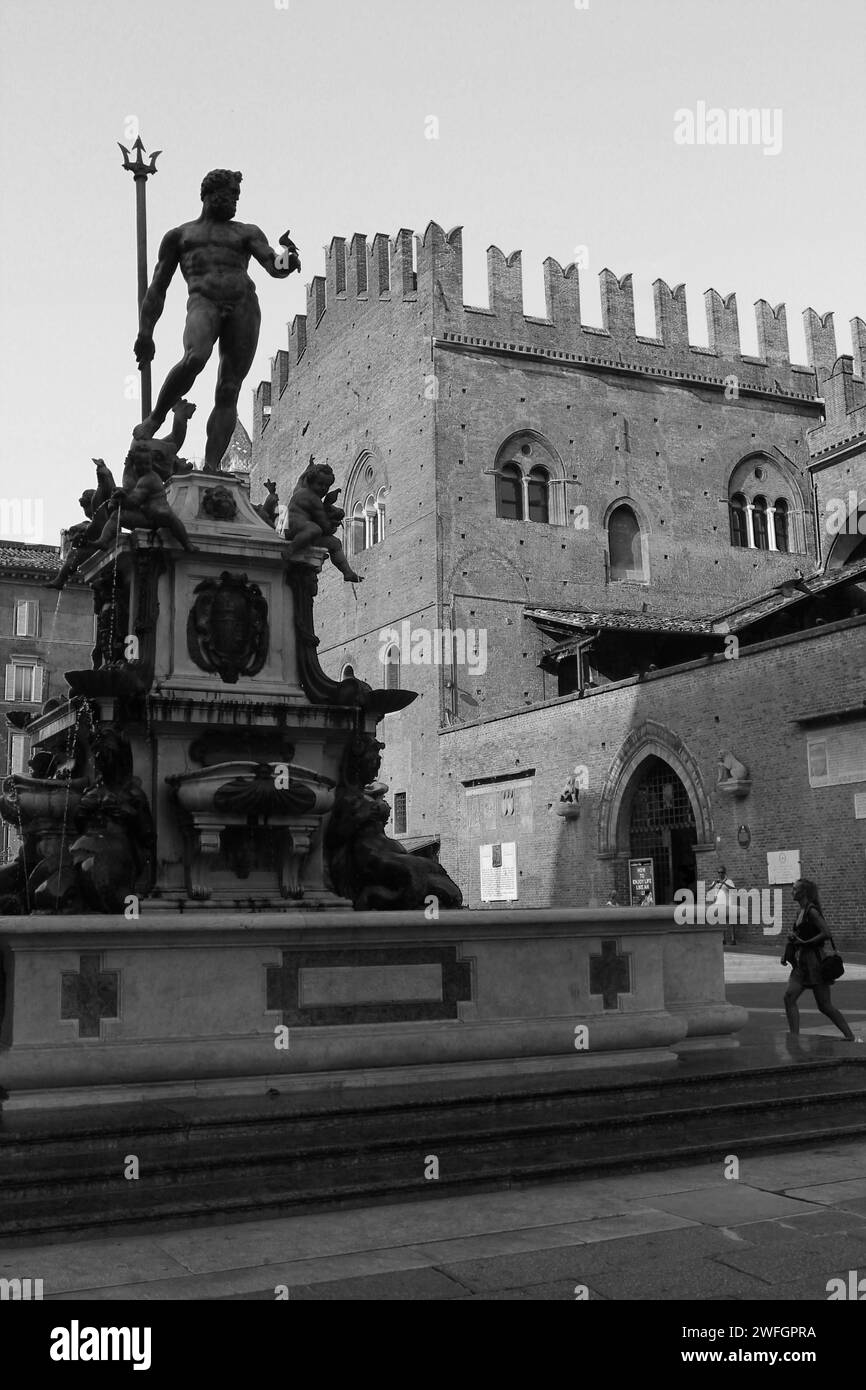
(261, 1119)
(368, 1153)
(260, 1142)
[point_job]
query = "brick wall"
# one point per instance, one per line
(746, 706)
(391, 370)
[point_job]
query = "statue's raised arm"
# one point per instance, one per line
(279, 266)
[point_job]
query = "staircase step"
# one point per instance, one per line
(220, 1160)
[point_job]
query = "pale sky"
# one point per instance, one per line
(555, 130)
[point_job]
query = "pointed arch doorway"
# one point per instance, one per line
(657, 822)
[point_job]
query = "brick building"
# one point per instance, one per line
(593, 517)
(42, 635)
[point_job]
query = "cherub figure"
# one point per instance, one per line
(84, 534)
(164, 450)
(79, 550)
(145, 504)
(313, 517)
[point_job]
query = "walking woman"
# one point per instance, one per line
(804, 951)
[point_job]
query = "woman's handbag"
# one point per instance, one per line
(831, 962)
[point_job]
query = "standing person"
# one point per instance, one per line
(720, 894)
(808, 936)
(613, 900)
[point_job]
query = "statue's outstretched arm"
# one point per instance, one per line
(259, 248)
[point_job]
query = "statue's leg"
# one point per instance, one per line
(69, 566)
(174, 524)
(199, 336)
(129, 517)
(238, 341)
(339, 561)
(305, 535)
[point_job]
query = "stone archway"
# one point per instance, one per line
(644, 744)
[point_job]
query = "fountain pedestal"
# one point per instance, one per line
(220, 1004)
(200, 664)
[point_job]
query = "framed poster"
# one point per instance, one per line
(641, 879)
(498, 873)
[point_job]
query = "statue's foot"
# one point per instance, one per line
(210, 467)
(147, 429)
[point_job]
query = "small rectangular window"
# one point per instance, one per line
(26, 617)
(18, 749)
(11, 843)
(400, 814)
(23, 682)
(838, 757)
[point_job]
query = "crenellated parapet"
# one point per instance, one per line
(386, 274)
(843, 387)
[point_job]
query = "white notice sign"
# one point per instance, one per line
(783, 866)
(498, 873)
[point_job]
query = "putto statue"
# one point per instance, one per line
(366, 865)
(99, 504)
(313, 518)
(144, 504)
(213, 253)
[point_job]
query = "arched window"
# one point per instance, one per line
(392, 669)
(530, 481)
(347, 673)
(359, 529)
(371, 516)
(624, 545)
(758, 523)
(509, 492)
(364, 500)
(739, 530)
(536, 487)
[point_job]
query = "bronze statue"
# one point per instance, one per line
(146, 503)
(164, 450)
(366, 866)
(313, 518)
(79, 550)
(114, 853)
(213, 253)
(96, 503)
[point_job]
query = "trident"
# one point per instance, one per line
(140, 172)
